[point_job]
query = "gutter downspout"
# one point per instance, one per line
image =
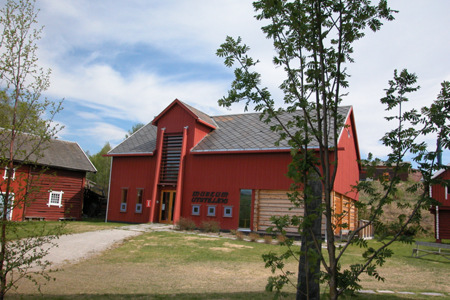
(177, 210)
(157, 171)
(109, 189)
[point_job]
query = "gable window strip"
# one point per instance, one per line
(5, 175)
(55, 198)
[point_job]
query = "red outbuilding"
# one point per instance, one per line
(54, 186)
(440, 192)
(227, 168)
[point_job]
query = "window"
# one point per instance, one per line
(5, 175)
(55, 198)
(228, 211)
(431, 191)
(196, 210)
(10, 205)
(211, 211)
(139, 196)
(123, 201)
(446, 192)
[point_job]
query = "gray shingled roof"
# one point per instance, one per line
(201, 115)
(142, 141)
(53, 153)
(246, 132)
(240, 132)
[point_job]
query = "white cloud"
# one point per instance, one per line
(84, 41)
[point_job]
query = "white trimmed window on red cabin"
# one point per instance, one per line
(55, 198)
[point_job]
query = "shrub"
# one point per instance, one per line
(240, 235)
(281, 238)
(268, 239)
(185, 224)
(210, 226)
(253, 236)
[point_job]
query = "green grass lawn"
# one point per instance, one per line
(173, 265)
(18, 230)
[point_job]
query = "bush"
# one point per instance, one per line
(240, 235)
(210, 226)
(281, 238)
(268, 239)
(253, 236)
(185, 224)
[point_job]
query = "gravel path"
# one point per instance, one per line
(75, 247)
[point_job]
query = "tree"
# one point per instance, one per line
(103, 165)
(133, 129)
(313, 43)
(23, 135)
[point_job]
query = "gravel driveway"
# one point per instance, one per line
(75, 247)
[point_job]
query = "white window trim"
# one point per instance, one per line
(195, 213)
(5, 175)
(123, 207)
(139, 207)
(209, 214)
(225, 215)
(11, 202)
(51, 193)
(446, 192)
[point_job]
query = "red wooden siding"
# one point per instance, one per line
(69, 182)
(438, 191)
(132, 173)
(348, 155)
(212, 178)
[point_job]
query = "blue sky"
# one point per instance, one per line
(117, 63)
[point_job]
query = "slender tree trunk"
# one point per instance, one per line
(309, 265)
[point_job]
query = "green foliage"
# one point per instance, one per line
(23, 137)
(185, 224)
(133, 129)
(103, 165)
(313, 43)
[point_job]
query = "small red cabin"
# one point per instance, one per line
(441, 212)
(54, 186)
(227, 168)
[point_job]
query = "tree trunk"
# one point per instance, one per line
(309, 265)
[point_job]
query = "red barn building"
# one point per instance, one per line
(54, 185)
(441, 212)
(222, 168)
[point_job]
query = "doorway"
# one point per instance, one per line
(167, 207)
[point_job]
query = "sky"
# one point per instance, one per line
(116, 63)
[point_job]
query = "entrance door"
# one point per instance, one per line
(167, 206)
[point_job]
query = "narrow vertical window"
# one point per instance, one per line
(446, 192)
(123, 201)
(139, 197)
(5, 175)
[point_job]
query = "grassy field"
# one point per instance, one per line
(19, 230)
(174, 265)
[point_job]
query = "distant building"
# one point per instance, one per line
(382, 170)
(227, 169)
(54, 185)
(441, 212)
